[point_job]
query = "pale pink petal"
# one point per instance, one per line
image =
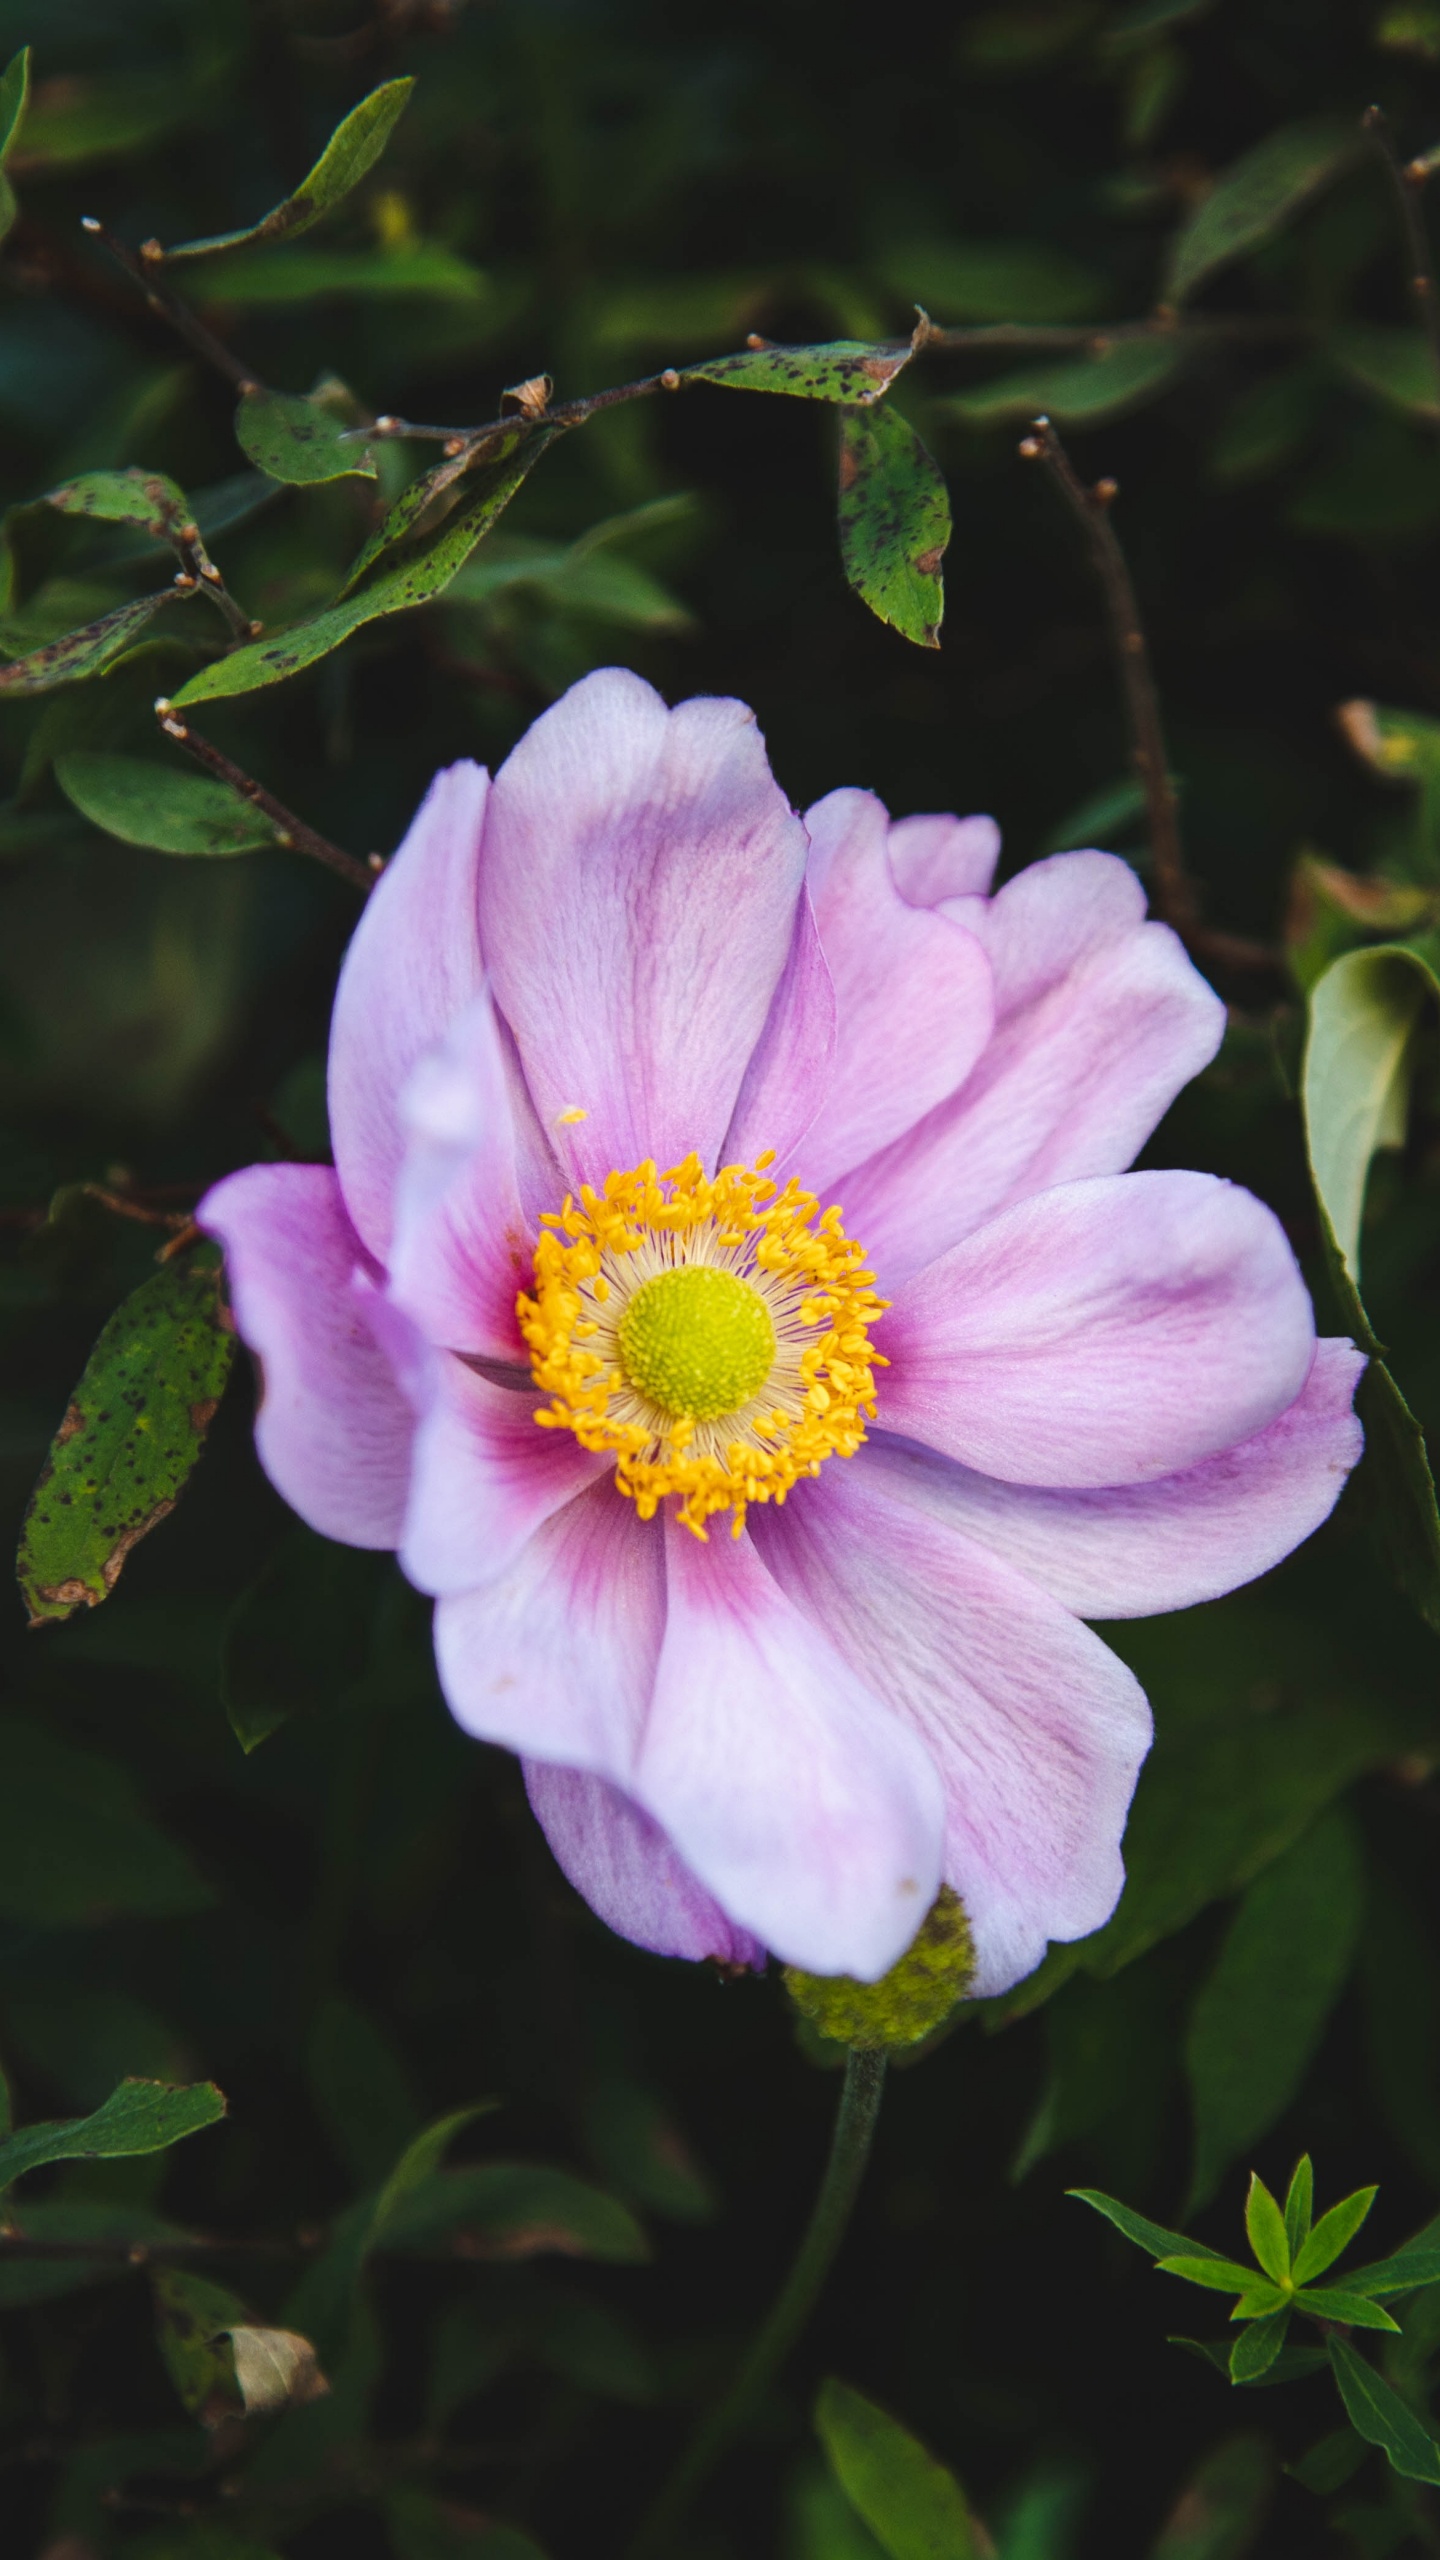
(334, 1430)
(637, 903)
(486, 1475)
(1130, 1551)
(912, 991)
(462, 1247)
(412, 966)
(628, 1871)
(1102, 1019)
(1037, 1729)
(1102, 1333)
(556, 1656)
(811, 1813)
(790, 1068)
(935, 858)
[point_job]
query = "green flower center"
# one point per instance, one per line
(697, 1341)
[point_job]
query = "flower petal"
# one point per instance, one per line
(1036, 1727)
(1130, 1551)
(1102, 1333)
(790, 1068)
(556, 1656)
(334, 1430)
(485, 1476)
(810, 1813)
(1101, 1018)
(912, 989)
(637, 902)
(629, 1872)
(412, 966)
(935, 858)
(463, 1246)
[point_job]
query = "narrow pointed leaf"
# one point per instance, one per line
(348, 156)
(1405, 2272)
(1382, 2418)
(1150, 2236)
(1336, 2302)
(1257, 2347)
(143, 802)
(300, 440)
(1333, 2232)
(915, 2507)
(14, 97)
(1256, 195)
(1299, 2204)
(1222, 2275)
(1265, 2230)
(412, 502)
(84, 652)
(894, 522)
(139, 2116)
(1260, 2301)
(1080, 392)
(847, 370)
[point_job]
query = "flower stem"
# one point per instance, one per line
(849, 2151)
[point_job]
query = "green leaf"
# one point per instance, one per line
(361, 2089)
(414, 580)
(1256, 196)
(894, 522)
(1150, 2236)
(299, 1637)
(77, 1846)
(1381, 2416)
(115, 2226)
(1333, 2232)
(847, 370)
(77, 654)
(637, 2146)
(146, 498)
(1222, 2275)
(1257, 2347)
(144, 802)
(915, 2507)
(421, 493)
(1259, 2015)
(1405, 2272)
(139, 2116)
(301, 440)
(348, 156)
(1260, 2301)
(192, 2317)
(14, 96)
(1221, 2509)
(1106, 384)
(1330, 2463)
(514, 2209)
(268, 279)
(822, 2523)
(133, 1430)
(1338, 2302)
(427, 2528)
(1395, 364)
(1265, 2230)
(994, 280)
(1300, 2205)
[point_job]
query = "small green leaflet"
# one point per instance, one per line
(1256, 195)
(915, 2507)
(415, 580)
(894, 522)
(14, 94)
(300, 440)
(1300, 2208)
(1333, 2233)
(143, 802)
(1265, 2231)
(84, 652)
(1381, 2416)
(141, 2115)
(133, 1431)
(1106, 384)
(348, 156)
(847, 370)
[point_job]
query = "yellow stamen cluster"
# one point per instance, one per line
(604, 1269)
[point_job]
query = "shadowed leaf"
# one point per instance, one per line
(300, 439)
(1256, 195)
(77, 1845)
(1381, 2416)
(81, 653)
(915, 2507)
(1222, 2508)
(143, 802)
(1103, 385)
(14, 94)
(1395, 364)
(139, 2116)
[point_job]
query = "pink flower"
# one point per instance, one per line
(1102, 1394)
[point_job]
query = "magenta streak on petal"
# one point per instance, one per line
(463, 1247)
(1131, 1551)
(811, 1814)
(637, 904)
(629, 1872)
(1037, 1729)
(935, 858)
(412, 966)
(1102, 1333)
(791, 1067)
(334, 1430)
(485, 1477)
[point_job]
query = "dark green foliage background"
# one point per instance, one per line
(356, 1927)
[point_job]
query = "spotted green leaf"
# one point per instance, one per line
(1105, 384)
(145, 498)
(299, 439)
(894, 522)
(1256, 195)
(143, 802)
(414, 580)
(401, 518)
(847, 370)
(915, 2508)
(77, 654)
(1379, 2415)
(139, 2116)
(132, 1433)
(348, 156)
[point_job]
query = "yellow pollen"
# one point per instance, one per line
(712, 1333)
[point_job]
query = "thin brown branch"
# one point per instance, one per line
(123, 1206)
(171, 308)
(289, 829)
(1407, 182)
(471, 441)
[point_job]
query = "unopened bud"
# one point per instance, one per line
(910, 2001)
